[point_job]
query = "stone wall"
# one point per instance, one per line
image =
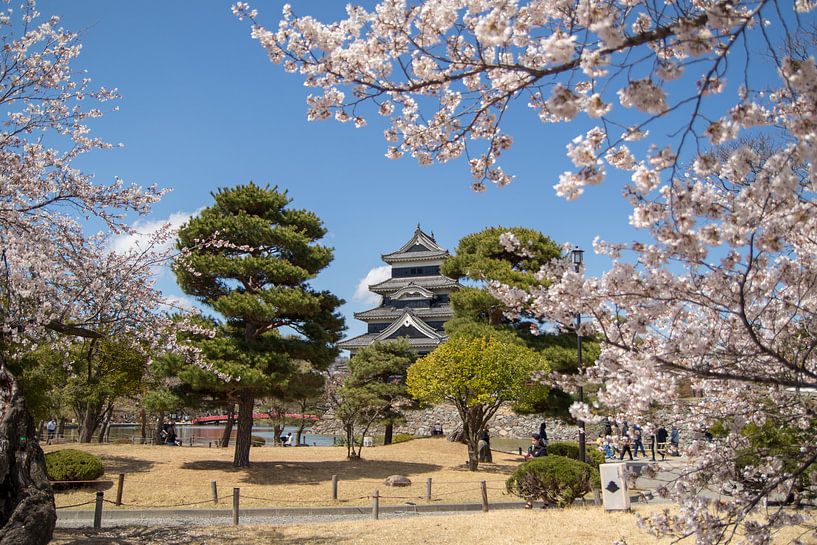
(504, 424)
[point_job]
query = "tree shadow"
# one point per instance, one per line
(283, 472)
(125, 464)
(494, 468)
(180, 535)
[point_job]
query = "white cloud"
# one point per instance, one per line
(180, 303)
(145, 228)
(374, 276)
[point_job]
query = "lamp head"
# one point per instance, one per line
(577, 256)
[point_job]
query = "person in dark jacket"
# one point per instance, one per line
(537, 447)
(484, 446)
(661, 441)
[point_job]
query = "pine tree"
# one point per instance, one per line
(257, 277)
(379, 372)
(491, 255)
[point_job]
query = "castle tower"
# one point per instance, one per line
(414, 301)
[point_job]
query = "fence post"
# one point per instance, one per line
(119, 486)
(597, 496)
(334, 487)
(236, 494)
(484, 488)
(214, 491)
(428, 489)
(191, 440)
(376, 504)
(209, 444)
(520, 451)
(100, 496)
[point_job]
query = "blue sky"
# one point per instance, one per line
(203, 108)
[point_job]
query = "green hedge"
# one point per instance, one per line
(73, 465)
(556, 480)
(401, 438)
(258, 441)
(570, 449)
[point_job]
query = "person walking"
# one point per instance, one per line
(674, 439)
(51, 427)
(637, 441)
(661, 441)
(625, 447)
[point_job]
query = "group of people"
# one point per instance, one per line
(624, 440)
(169, 435)
(287, 440)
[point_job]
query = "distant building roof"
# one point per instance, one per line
(428, 282)
(421, 247)
(419, 334)
(391, 313)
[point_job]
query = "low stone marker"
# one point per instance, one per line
(397, 480)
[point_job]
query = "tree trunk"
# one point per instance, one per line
(228, 427)
(157, 432)
(143, 424)
(277, 430)
(243, 438)
(89, 421)
(300, 432)
(106, 423)
(27, 511)
(389, 433)
(61, 427)
(351, 453)
(471, 425)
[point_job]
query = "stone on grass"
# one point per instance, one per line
(397, 480)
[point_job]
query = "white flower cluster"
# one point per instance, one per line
(710, 320)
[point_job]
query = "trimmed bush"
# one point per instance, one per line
(258, 441)
(73, 465)
(570, 449)
(401, 438)
(556, 480)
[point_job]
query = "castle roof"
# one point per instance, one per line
(419, 334)
(421, 247)
(430, 283)
(380, 314)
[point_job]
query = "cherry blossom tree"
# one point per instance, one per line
(56, 280)
(720, 294)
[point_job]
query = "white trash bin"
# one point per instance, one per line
(614, 492)
(368, 442)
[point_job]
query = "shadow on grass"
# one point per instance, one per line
(125, 464)
(307, 472)
(174, 535)
(494, 468)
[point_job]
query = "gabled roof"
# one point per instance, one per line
(410, 321)
(412, 289)
(425, 335)
(362, 341)
(383, 314)
(430, 283)
(420, 247)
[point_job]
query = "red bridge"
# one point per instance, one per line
(218, 418)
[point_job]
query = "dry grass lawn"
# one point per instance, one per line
(576, 526)
(160, 476)
(572, 526)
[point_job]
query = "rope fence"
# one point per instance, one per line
(466, 488)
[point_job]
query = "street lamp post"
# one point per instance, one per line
(576, 256)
